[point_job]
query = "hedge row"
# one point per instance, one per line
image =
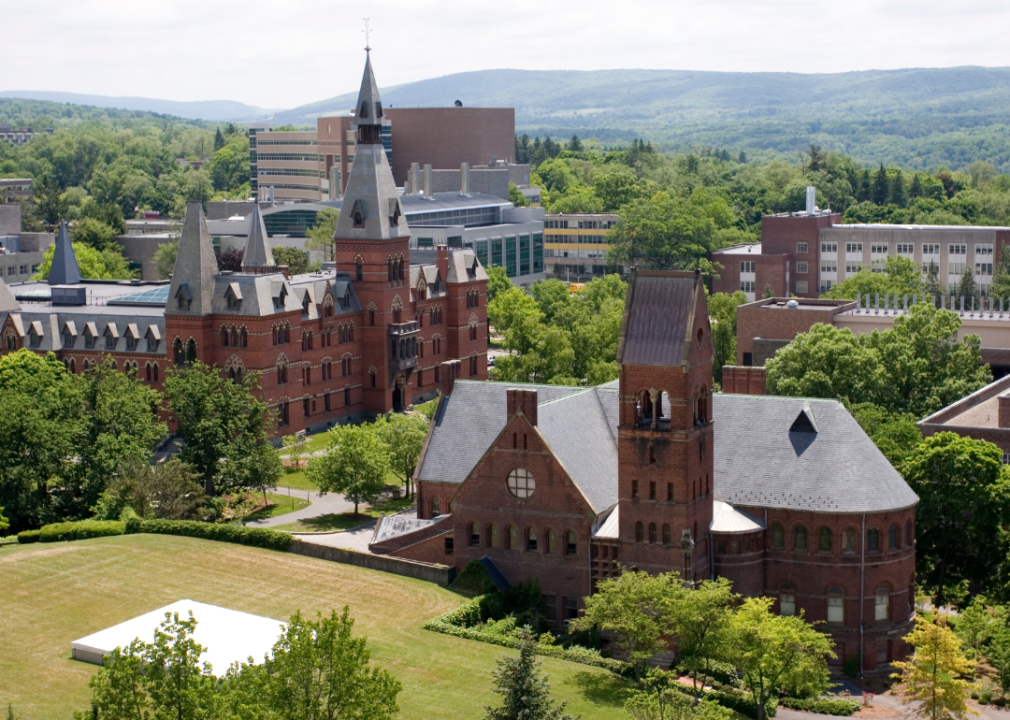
(822, 706)
(743, 703)
(449, 624)
(256, 537)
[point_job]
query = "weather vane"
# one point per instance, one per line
(367, 32)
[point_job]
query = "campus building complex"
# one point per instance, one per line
(367, 334)
(576, 244)
(786, 497)
(805, 253)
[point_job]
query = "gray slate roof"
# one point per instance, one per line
(64, 269)
(257, 250)
(195, 265)
(7, 301)
(460, 262)
(758, 462)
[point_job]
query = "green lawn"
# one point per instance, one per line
(57, 593)
(279, 505)
(346, 521)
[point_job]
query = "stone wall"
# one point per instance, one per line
(429, 572)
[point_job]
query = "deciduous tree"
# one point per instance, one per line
(320, 235)
(355, 464)
(931, 677)
(404, 436)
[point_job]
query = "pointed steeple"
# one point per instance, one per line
(195, 267)
(258, 257)
(368, 111)
(64, 269)
(7, 301)
(371, 208)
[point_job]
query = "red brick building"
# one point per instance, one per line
(786, 497)
(367, 334)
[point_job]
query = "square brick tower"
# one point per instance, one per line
(372, 244)
(665, 434)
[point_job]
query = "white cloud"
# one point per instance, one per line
(282, 54)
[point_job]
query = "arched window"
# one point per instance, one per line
(836, 605)
(824, 539)
(531, 539)
(892, 537)
(667, 538)
(639, 532)
(570, 544)
(435, 507)
(521, 483)
(778, 535)
(513, 537)
(492, 535)
(653, 536)
(73, 366)
(787, 600)
(800, 537)
(474, 535)
(849, 540)
(873, 540)
(359, 270)
(552, 542)
(282, 371)
(156, 372)
(191, 351)
(180, 354)
(882, 604)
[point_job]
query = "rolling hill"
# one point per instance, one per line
(212, 110)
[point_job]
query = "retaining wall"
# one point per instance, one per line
(429, 572)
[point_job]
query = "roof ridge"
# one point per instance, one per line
(831, 401)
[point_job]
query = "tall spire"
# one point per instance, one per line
(371, 208)
(258, 257)
(195, 267)
(64, 269)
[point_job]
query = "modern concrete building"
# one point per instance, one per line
(806, 253)
(21, 253)
(18, 136)
(983, 415)
(14, 190)
(575, 244)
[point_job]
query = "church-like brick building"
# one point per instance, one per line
(366, 334)
(786, 497)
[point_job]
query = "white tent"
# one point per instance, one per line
(228, 635)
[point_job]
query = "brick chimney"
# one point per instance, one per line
(448, 372)
(522, 399)
(443, 261)
(1003, 417)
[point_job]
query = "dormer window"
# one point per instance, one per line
(111, 335)
(153, 339)
(233, 296)
(281, 293)
(305, 305)
(363, 112)
(69, 335)
(378, 109)
(394, 212)
(90, 336)
(183, 297)
(358, 214)
(35, 335)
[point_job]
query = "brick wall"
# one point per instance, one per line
(760, 319)
(743, 380)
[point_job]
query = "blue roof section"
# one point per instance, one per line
(155, 296)
(494, 574)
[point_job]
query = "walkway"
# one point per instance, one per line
(355, 539)
(330, 503)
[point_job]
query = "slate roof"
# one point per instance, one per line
(758, 462)
(658, 315)
(195, 265)
(460, 264)
(118, 324)
(7, 301)
(64, 269)
(728, 519)
(257, 250)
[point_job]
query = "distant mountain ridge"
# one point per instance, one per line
(213, 110)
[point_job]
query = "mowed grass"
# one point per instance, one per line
(279, 504)
(57, 593)
(346, 521)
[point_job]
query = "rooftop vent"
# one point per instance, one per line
(804, 422)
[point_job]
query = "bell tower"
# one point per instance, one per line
(665, 458)
(372, 245)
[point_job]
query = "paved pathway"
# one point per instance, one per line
(356, 539)
(330, 503)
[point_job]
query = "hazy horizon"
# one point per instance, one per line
(285, 56)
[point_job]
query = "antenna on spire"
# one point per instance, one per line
(367, 32)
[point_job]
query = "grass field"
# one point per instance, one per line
(280, 504)
(346, 521)
(54, 594)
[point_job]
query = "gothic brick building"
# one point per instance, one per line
(786, 497)
(366, 334)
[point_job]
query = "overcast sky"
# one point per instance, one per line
(285, 53)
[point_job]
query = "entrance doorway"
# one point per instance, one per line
(397, 399)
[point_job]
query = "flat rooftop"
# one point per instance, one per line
(229, 636)
(745, 249)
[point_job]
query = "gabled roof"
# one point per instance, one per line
(759, 462)
(64, 269)
(658, 314)
(195, 265)
(460, 264)
(257, 249)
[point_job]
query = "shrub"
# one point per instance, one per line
(256, 537)
(57, 532)
(473, 580)
(822, 706)
(850, 665)
(29, 536)
(743, 703)
(131, 521)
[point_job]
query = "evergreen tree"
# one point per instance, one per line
(768, 292)
(575, 145)
(880, 187)
(897, 191)
(742, 158)
(1001, 277)
(818, 158)
(218, 140)
(692, 164)
(551, 148)
(915, 190)
(526, 693)
(522, 148)
(933, 285)
(864, 187)
(967, 288)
